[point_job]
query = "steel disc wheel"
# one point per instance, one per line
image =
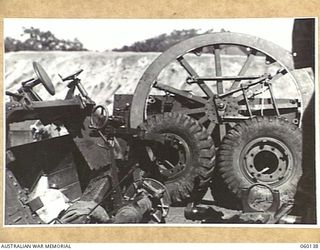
(267, 160)
(185, 162)
(263, 150)
(209, 75)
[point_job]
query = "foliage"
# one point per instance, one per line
(38, 40)
(162, 42)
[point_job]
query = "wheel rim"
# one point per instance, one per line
(267, 160)
(173, 157)
(204, 110)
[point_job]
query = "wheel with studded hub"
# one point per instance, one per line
(263, 150)
(267, 160)
(185, 162)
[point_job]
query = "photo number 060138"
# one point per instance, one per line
(161, 121)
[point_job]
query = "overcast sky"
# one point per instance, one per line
(106, 34)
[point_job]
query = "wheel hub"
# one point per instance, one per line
(210, 111)
(267, 160)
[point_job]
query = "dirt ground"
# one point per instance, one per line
(176, 216)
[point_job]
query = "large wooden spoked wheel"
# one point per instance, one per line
(179, 72)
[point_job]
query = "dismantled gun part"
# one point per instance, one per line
(156, 192)
(144, 200)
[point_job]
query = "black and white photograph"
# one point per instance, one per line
(160, 121)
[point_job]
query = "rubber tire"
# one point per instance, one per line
(199, 169)
(239, 136)
(221, 194)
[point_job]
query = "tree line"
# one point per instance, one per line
(162, 42)
(38, 40)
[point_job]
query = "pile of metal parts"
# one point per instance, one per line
(75, 178)
(158, 150)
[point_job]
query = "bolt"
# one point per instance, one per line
(221, 105)
(292, 101)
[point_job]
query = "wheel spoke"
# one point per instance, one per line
(203, 119)
(222, 131)
(191, 111)
(244, 69)
(193, 74)
(211, 127)
(181, 93)
(217, 63)
(281, 72)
